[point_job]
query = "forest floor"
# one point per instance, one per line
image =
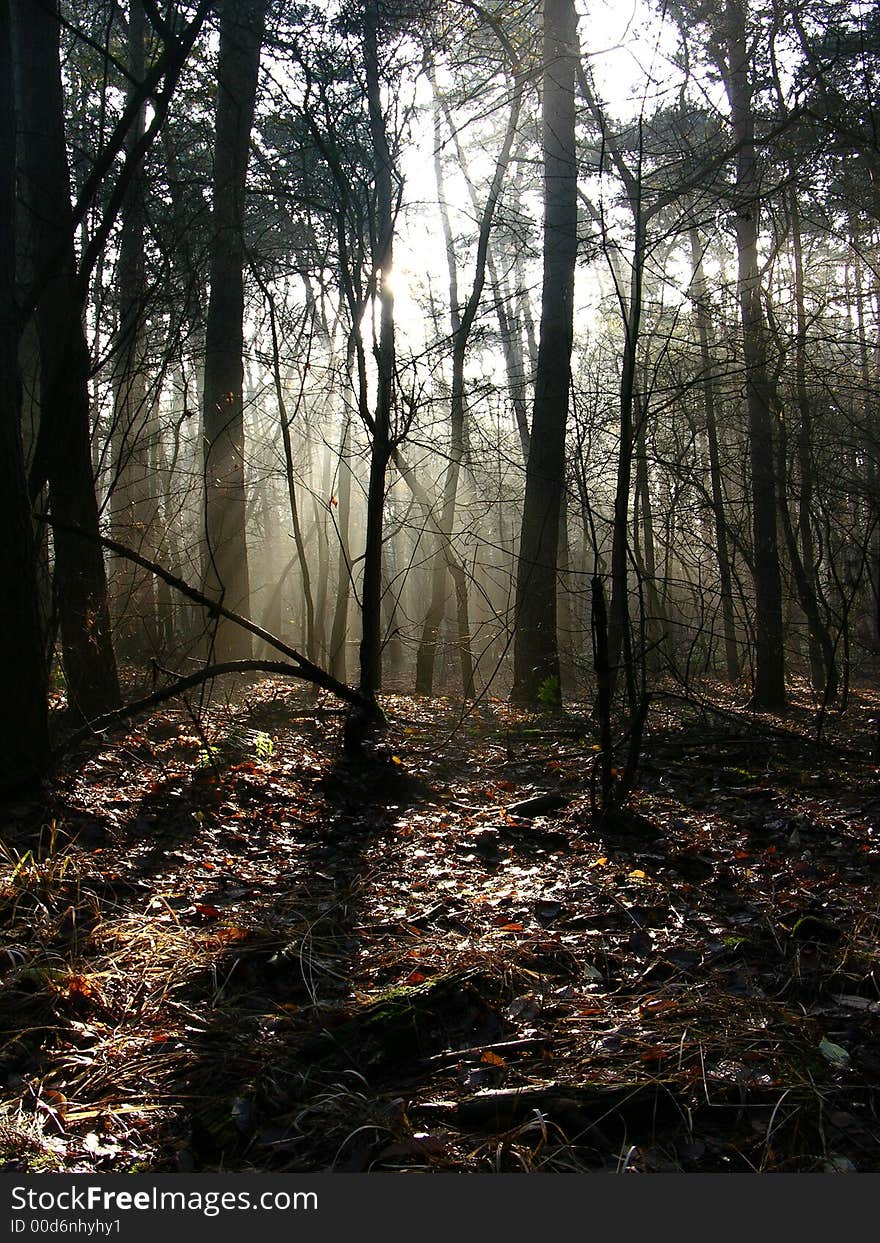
(232, 948)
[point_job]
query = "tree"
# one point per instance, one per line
(134, 499)
(24, 747)
(461, 323)
(225, 560)
(722, 545)
(383, 351)
(536, 650)
(62, 457)
(768, 692)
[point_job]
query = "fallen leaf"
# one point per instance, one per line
(834, 1053)
(656, 1005)
(854, 1002)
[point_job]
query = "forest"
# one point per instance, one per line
(441, 504)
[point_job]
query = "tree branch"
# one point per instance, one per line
(308, 671)
(178, 687)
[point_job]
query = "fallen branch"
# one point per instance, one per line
(305, 669)
(178, 687)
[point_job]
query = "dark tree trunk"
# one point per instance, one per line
(62, 456)
(383, 349)
(536, 648)
(768, 692)
(643, 531)
(225, 563)
(619, 638)
(869, 386)
(800, 544)
(24, 749)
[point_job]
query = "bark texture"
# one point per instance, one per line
(62, 456)
(225, 564)
(536, 650)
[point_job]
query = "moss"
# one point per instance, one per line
(403, 1023)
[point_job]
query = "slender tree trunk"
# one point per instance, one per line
(339, 628)
(134, 501)
(568, 645)
(619, 639)
(869, 417)
(321, 505)
(461, 324)
(62, 456)
(284, 419)
(823, 676)
(828, 679)
(656, 619)
(380, 445)
(768, 692)
(719, 514)
(225, 571)
(514, 363)
(427, 650)
(536, 649)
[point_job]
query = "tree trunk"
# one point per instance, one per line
(225, 571)
(134, 499)
(698, 290)
(619, 638)
(768, 692)
(461, 325)
(823, 675)
(869, 387)
(284, 419)
(536, 649)
(24, 746)
(383, 349)
(656, 620)
(62, 455)
(339, 628)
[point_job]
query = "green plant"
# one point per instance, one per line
(235, 744)
(209, 757)
(263, 745)
(549, 692)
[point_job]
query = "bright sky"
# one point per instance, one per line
(628, 50)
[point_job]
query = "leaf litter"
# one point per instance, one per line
(244, 951)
